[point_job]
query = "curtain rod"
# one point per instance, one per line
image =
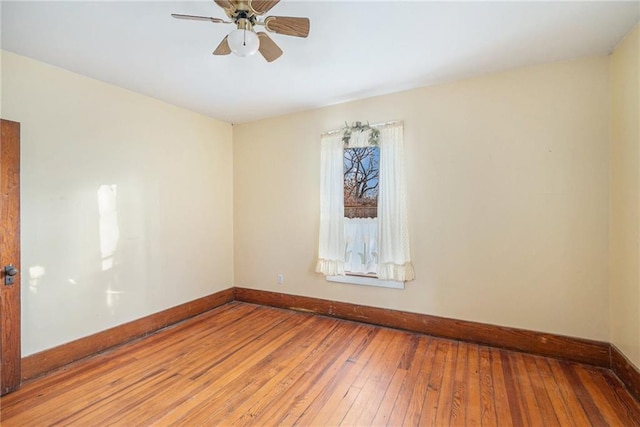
(377, 125)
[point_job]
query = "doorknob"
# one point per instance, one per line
(9, 272)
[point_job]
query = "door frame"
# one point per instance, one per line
(10, 339)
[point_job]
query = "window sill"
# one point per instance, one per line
(367, 281)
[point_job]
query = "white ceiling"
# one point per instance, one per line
(355, 49)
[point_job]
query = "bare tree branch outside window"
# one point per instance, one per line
(361, 180)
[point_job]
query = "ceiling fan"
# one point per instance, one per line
(246, 14)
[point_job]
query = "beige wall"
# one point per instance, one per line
(508, 185)
(91, 258)
(625, 197)
(508, 199)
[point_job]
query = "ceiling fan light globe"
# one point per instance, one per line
(243, 42)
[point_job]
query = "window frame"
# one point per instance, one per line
(356, 279)
(394, 264)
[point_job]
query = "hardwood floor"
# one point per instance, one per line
(242, 364)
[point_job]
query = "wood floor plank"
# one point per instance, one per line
(127, 385)
(389, 399)
(335, 345)
(264, 369)
(500, 393)
(34, 396)
(337, 413)
(77, 399)
(242, 364)
(364, 409)
(434, 361)
(473, 403)
(230, 373)
(142, 367)
(128, 400)
(606, 402)
(487, 398)
(263, 378)
(560, 408)
(570, 398)
(215, 351)
(445, 401)
(335, 388)
(458, 396)
(307, 387)
(544, 403)
(338, 399)
(586, 400)
(515, 395)
(410, 358)
(426, 348)
(621, 395)
(529, 403)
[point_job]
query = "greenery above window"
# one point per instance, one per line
(374, 135)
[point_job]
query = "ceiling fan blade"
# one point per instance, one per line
(225, 4)
(287, 25)
(260, 7)
(223, 48)
(199, 18)
(268, 48)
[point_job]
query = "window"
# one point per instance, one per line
(346, 198)
(361, 168)
(361, 171)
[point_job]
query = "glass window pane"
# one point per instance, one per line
(361, 178)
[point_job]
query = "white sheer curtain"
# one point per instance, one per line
(392, 256)
(331, 248)
(394, 262)
(361, 245)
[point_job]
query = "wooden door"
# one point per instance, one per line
(9, 256)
